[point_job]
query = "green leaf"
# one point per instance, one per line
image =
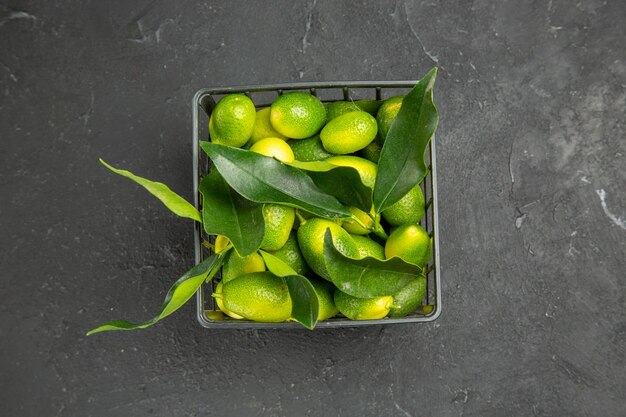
(368, 277)
(401, 165)
(342, 182)
(224, 212)
(304, 300)
(266, 180)
(182, 290)
(276, 265)
(175, 203)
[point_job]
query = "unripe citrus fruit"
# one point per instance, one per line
(275, 148)
(297, 115)
(409, 242)
(263, 128)
(232, 120)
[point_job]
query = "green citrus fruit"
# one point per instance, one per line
(236, 265)
(353, 227)
(372, 151)
(387, 114)
(291, 255)
(367, 247)
(409, 209)
(349, 132)
(305, 215)
(263, 128)
(232, 120)
(274, 147)
(367, 169)
(337, 108)
(278, 224)
(259, 296)
(409, 242)
(408, 298)
(369, 106)
(297, 115)
(325, 293)
(363, 308)
(220, 304)
(311, 240)
(309, 149)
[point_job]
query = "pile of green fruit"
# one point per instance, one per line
(314, 209)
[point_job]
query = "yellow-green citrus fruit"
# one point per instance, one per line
(263, 128)
(367, 247)
(260, 296)
(338, 108)
(306, 215)
(274, 147)
(370, 106)
(236, 266)
(353, 227)
(409, 209)
(325, 293)
(221, 243)
(387, 114)
(309, 149)
(349, 132)
(409, 242)
(220, 304)
(291, 255)
(363, 308)
(311, 240)
(408, 298)
(297, 115)
(278, 224)
(372, 151)
(232, 120)
(367, 169)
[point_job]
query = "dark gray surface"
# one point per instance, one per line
(531, 154)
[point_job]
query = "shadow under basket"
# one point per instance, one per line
(262, 95)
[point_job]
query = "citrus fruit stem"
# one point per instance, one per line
(379, 231)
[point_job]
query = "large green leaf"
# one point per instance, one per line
(304, 300)
(224, 212)
(266, 180)
(342, 182)
(401, 165)
(172, 201)
(367, 277)
(182, 290)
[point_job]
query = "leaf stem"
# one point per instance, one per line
(379, 231)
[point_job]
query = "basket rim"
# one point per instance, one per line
(301, 85)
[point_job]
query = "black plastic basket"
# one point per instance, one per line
(262, 95)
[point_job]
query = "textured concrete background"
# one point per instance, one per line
(531, 151)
